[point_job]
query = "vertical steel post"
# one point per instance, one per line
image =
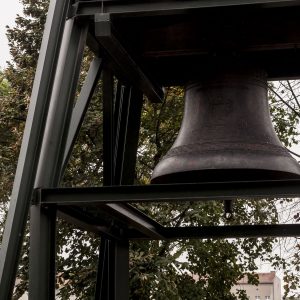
(119, 281)
(121, 117)
(120, 141)
(108, 126)
(113, 270)
(31, 144)
(102, 288)
(131, 136)
(49, 172)
(103, 281)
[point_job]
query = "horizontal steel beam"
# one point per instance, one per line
(173, 233)
(171, 192)
(162, 7)
(125, 64)
(139, 226)
(236, 231)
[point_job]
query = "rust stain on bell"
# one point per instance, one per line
(226, 133)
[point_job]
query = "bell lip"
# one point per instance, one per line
(215, 175)
(266, 167)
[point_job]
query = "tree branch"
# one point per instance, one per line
(285, 102)
(180, 218)
(293, 93)
(292, 152)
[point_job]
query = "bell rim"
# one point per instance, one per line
(271, 165)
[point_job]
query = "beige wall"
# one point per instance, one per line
(273, 290)
(262, 290)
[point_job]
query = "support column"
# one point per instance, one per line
(119, 266)
(31, 145)
(49, 172)
(113, 270)
(132, 136)
(108, 126)
(120, 141)
(102, 283)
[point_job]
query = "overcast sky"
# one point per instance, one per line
(7, 17)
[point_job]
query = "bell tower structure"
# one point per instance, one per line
(143, 45)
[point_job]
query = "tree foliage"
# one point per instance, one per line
(158, 269)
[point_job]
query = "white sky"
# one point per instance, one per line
(7, 17)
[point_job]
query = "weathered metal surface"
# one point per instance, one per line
(164, 7)
(226, 133)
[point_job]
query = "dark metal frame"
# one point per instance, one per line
(158, 7)
(50, 133)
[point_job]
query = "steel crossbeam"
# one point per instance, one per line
(136, 225)
(171, 192)
(233, 231)
(163, 7)
(115, 197)
(136, 219)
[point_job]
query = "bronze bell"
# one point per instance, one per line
(226, 133)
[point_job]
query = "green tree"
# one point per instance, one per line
(156, 268)
(10, 133)
(285, 99)
(5, 141)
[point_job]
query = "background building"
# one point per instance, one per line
(269, 287)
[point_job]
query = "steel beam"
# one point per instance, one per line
(236, 231)
(119, 270)
(131, 137)
(31, 143)
(126, 65)
(49, 172)
(108, 126)
(142, 227)
(81, 219)
(114, 263)
(128, 108)
(120, 129)
(42, 254)
(227, 232)
(113, 275)
(172, 192)
(102, 282)
(121, 121)
(84, 220)
(163, 7)
(128, 219)
(135, 219)
(81, 106)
